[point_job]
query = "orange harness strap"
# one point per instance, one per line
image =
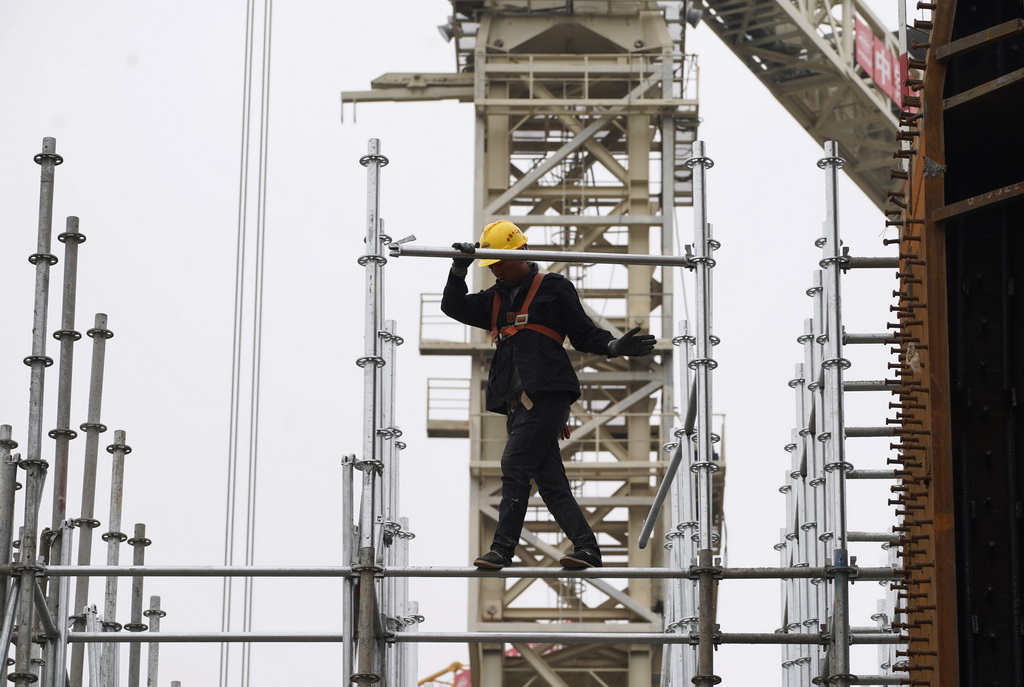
(521, 319)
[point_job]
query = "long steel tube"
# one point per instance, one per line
(7, 629)
(704, 465)
(390, 587)
(836, 466)
(400, 250)
(685, 518)
(154, 614)
(518, 572)
(668, 480)
(87, 521)
(8, 485)
(114, 538)
(35, 466)
(45, 621)
(139, 542)
(348, 584)
(818, 518)
(57, 671)
(92, 625)
(479, 637)
(63, 434)
(367, 659)
(802, 469)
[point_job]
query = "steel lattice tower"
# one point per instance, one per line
(574, 109)
(585, 113)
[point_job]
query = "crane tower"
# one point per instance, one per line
(585, 114)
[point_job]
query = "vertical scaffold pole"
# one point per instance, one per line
(114, 538)
(8, 485)
(391, 588)
(63, 434)
(35, 466)
(367, 669)
(67, 336)
(704, 464)
(836, 466)
(87, 522)
(680, 663)
(58, 672)
(138, 543)
(348, 601)
(154, 614)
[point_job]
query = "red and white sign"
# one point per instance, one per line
(883, 67)
(878, 61)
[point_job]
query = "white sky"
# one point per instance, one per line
(145, 100)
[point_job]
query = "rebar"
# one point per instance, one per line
(35, 466)
(87, 521)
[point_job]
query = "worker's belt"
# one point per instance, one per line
(521, 319)
(521, 400)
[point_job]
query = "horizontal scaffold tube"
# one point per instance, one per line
(202, 637)
(399, 250)
(472, 637)
(631, 638)
(870, 263)
(435, 571)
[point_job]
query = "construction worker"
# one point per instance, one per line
(532, 382)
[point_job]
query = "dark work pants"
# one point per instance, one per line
(532, 453)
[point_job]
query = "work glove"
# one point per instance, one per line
(631, 344)
(462, 264)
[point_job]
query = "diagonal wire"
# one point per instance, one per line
(257, 334)
(236, 352)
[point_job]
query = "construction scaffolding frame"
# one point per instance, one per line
(379, 628)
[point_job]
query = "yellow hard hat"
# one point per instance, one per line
(501, 235)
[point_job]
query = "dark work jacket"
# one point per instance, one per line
(542, 362)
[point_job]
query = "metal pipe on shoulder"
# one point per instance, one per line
(399, 250)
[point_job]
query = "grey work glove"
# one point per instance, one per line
(631, 344)
(460, 265)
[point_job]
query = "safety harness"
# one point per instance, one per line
(521, 319)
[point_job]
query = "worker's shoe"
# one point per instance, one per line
(492, 560)
(583, 558)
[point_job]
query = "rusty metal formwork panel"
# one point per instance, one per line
(959, 326)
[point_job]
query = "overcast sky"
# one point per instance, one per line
(146, 101)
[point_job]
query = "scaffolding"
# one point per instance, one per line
(380, 624)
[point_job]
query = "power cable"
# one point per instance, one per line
(239, 344)
(261, 229)
(236, 349)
